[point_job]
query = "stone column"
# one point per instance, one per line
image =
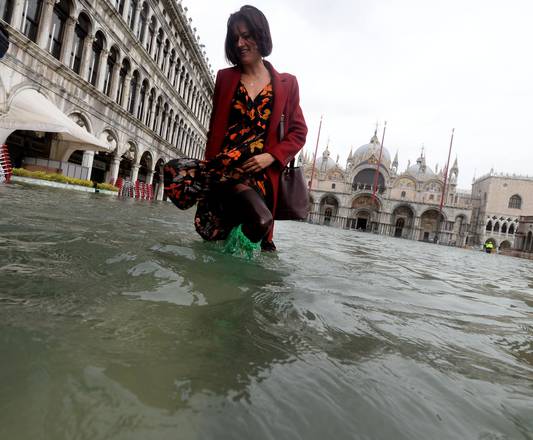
(86, 57)
(145, 103)
(114, 81)
(164, 127)
(171, 71)
(127, 6)
(126, 92)
(152, 111)
(146, 27)
(136, 98)
(102, 68)
(136, 15)
(150, 177)
(87, 161)
(45, 24)
(16, 17)
(181, 85)
(160, 191)
(113, 170)
(134, 172)
(66, 45)
(154, 45)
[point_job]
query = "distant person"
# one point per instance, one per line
(256, 128)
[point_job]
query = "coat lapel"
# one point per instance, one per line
(224, 102)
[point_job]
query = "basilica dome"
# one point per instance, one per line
(365, 153)
(420, 171)
(325, 163)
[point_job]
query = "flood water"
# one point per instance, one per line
(118, 322)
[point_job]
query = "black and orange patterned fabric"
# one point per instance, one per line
(190, 181)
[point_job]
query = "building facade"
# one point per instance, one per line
(498, 203)
(131, 72)
(372, 195)
(524, 238)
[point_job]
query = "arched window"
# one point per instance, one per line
(504, 228)
(489, 226)
(515, 202)
(171, 61)
(157, 113)
(131, 13)
(169, 125)
(174, 130)
(141, 29)
(151, 33)
(32, 17)
(511, 229)
(177, 73)
(6, 10)
(57, 28)
(94, 63)
(158, 46)
(111, 61)
(122, 80)
(166, 50)
(80, 34)
(134, 84)
(163, 120)
(121, 4)
(142, 97)
(497, 227)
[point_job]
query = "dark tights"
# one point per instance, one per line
(244, 206)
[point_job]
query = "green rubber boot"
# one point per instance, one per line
(239, 244)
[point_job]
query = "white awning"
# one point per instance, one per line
(31, 110)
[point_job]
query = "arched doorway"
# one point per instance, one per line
(145, 168)
(329, 207)
(402, 221)
(430, 225)
(400, 224)
(363, 216)
(504, 245)
(128, 158)
(158, 180)
(26, 146)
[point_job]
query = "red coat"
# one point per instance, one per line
(286, 102)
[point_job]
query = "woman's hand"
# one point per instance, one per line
(258, 163)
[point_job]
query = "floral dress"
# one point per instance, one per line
(188, 181)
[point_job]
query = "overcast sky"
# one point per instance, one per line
(424, 66)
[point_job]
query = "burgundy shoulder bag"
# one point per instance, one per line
(293, 197)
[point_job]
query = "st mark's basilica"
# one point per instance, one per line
(405, 203)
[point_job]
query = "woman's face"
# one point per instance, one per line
(246, 47)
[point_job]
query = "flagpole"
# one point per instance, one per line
(376, 175)
(316, 152)
(443, 195)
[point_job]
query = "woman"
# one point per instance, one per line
(256, 128)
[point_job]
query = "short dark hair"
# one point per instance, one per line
(258, 26)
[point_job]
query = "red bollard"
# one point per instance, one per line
(5, 163)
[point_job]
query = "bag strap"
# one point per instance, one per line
(282, 135)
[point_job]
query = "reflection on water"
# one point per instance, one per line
(118, 322)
